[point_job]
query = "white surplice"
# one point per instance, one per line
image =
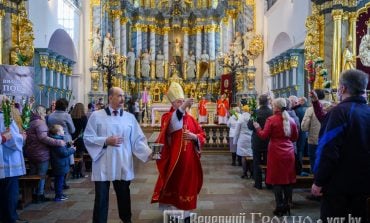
(114, 163)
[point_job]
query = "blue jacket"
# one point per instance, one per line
(343, 154)
(60, 161)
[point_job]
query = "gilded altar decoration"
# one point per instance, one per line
(312, 40)
(22, 38)
(317, 74)
(255, 47)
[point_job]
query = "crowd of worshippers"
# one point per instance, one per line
(333, 134)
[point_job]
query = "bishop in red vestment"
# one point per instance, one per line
(222, 109)
(180, 172)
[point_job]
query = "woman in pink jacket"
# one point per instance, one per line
(282, 132)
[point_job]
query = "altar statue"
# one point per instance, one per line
(191, 66)
(348, 60)
(177, 48)
(204, 64)
(247, 37)
(131, 62)
(238, 44)
(96, 43)
(107, 45)
(145, 64)
(159, 65)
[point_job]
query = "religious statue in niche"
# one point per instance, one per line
(145, 64)
(159, 65)
(108, 45)
(348, 59)
(96, 43)
(204, 64)
(364, 49)
(247, 37)
(191, 66)
(131, 62)
(238, 44)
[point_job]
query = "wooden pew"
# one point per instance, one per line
(26, 185)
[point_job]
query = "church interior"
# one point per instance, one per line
(221, 52)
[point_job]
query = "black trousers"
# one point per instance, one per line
(101, 204)
(342, 206)
(283, 193)
(259, 157)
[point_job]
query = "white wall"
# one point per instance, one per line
(285, 16)
(44, 16)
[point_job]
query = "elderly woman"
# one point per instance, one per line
(282, 132)
(37, 149)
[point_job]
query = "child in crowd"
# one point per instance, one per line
(60, 161)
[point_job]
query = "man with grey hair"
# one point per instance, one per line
(342, 167)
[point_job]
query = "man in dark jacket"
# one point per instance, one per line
(259, 146)
(342, 167)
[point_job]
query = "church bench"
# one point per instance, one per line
(26, 185)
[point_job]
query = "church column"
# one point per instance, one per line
(230, 29)
(352, 30)
(64, 75)
(224, 33)
(212, 50)
(144, 36)
(198, 47)
(165, 50)
(152, 29)
(123, 36)
(51, 66)
(186, 42)
(59, 67)
(337, 46)
(116, 14)
(2, 13)
(138, 39)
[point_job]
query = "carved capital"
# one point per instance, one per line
(59, 66)
(352, 16)
(116, 13)
(124, 20)
(95, 2)
(294, 61)
(44, 59)
(51, 64)
(337, 14)
(166, 29)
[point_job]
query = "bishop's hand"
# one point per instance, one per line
(187, 135)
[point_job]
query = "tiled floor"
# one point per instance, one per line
(224, 193)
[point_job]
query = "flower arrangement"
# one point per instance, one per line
(252, 103)
(26, 115)
(234, 113)
(6, 108)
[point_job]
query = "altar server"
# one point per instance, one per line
(111, 137)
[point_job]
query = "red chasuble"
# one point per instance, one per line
(202, 107)
(180, 172)
(222, 107)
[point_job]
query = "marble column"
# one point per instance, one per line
(212, 42)
(198, 46)
(117, 30)
(337, 46)
(123, 36)
(152, 29)
(43, 63)
(230, 33)
(224, 40)
(138, 39)
(186, 42)
(165, 51)
(352, 28)
(144, 38)
(58, 70)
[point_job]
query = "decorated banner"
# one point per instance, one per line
(16, 80)
(226, 85)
